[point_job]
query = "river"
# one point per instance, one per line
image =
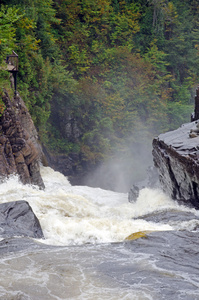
(99, 246)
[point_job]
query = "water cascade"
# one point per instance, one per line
(99, 246)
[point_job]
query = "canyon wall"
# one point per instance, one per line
(20, 152)
(176, 157)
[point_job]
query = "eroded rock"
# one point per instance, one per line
(19, 150)
(18, 219)
(176, 156)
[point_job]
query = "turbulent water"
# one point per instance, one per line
(91, 250)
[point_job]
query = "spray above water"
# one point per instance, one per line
(79, 214)
(128, 165)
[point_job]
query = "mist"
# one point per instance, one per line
(125, 167)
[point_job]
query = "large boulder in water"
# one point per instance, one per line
(18, 219)
(176, 156)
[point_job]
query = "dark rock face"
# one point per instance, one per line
(18, 219)
(152, 181)
(20, 152)
(195, 115)
(63, 163)
(69, 127)
(176, 156)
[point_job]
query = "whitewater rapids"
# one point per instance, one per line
(85, 254)
(76, 215)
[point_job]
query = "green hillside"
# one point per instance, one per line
(103, 76)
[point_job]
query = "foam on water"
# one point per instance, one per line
(77, 214)
(164, 265)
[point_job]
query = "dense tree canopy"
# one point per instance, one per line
(105, 69)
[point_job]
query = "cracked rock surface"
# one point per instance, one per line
(176, 156)
(19, 149)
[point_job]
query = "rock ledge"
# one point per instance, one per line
(176, 156)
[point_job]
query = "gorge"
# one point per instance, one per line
(84, 88)
(86, 237)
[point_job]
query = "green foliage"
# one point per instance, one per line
(8, 19)
(94, 73)
(177, 113)
(90, 28)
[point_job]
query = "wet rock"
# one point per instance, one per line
(64, 163)
(169, 216)
(18, 219)
(20, 244)
(133, 193)
(176, 156)
(152, 181)
(20, 152)
(195, 114)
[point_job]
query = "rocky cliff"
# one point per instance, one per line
(176, 156)
(20, 152)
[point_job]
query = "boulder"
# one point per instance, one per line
(151, 181)
(18, 219)
(173, 217)
(176, 156)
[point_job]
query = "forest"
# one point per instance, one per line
(102, 77)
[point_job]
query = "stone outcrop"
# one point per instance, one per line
(60, 162)
(18, 219)
(20, 152)
(176, 156)
(151, 181)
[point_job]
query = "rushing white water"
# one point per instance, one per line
(79, 214)
(85, 221)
